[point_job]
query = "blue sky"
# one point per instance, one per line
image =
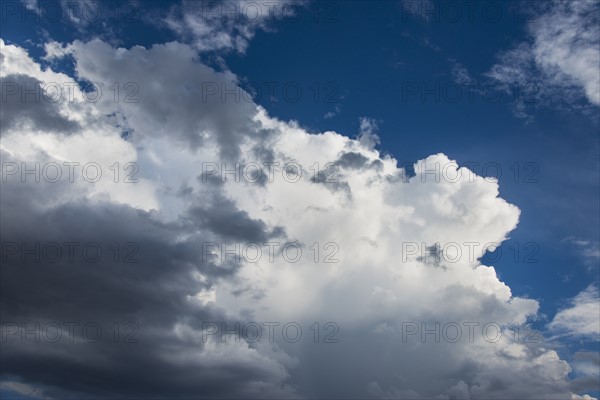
(370, 61)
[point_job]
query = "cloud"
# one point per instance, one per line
(367, 135)
(226, 25)
(344, 202)
(588, 250)
(22, 389)
(586, 370)
(460, 74)
(330, 114)
(584, 397)
(424, 9)
(38, 114)
(582, 317)
(558, 65)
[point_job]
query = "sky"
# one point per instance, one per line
(300, 199)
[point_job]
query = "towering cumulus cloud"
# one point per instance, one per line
(234, 217)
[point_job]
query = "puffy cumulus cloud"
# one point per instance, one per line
(402, 324)
(582, 317)
(226, 25)
(584, 397)
(558, 65)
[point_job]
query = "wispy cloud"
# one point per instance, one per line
(581, 318)
(558, 64)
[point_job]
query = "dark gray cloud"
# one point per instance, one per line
(217, 213)
(352, 160)
(24, 101)
(150, 297)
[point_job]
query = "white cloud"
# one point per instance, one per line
(367, 135)
(584, 397)
(31, 5)
(330, 114)
(567, 45)
(558, 65)
(582, 317)
(226, 25)
(369, 211)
